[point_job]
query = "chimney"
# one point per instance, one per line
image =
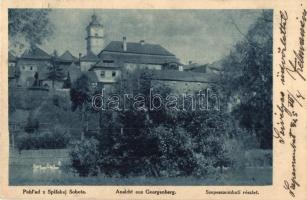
(142, 42)
(124, 43)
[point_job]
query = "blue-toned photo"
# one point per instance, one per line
(140, 97)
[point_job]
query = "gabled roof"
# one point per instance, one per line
(35, 53)
(186, 76)
(12, 58)
(90, 56)
(137, 48)
(67, 56)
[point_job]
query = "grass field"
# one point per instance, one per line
(250, 176)
(21, 173)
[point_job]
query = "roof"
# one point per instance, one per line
(196, 68)
(102, 64)
(35, 53)
(12, 58)
(186, 76)
(94, 21)
(67, 56)
(191, 66)
(137, 48)
(138, 58)
(90, 56)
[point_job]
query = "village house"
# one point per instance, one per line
(105, 64)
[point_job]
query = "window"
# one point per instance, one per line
(113, 73)
(31, 68)
(108, 61)
(94, 84)
(96, 34)
(102, 74)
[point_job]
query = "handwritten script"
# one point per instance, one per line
(290, 101)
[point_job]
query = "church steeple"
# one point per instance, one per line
(95, 36)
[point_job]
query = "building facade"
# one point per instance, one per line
(105, 64)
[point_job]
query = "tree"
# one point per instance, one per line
(80, 96)
(67, 82)
(248, 77)
(35, 84)
(55, 71)
(159, 142)
(28, 27)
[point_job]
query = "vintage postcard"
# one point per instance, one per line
(153, 99)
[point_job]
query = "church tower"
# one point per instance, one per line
(95, 36)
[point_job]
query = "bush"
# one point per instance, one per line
(176, 152)
(193, 146)
(46, 140)
(32, 124)
(85, 157)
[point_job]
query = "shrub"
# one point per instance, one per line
(45, 140)
(176, 151)
(32, 124)
(85, 157)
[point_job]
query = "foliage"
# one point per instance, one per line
(55, 72)
(85, 157)
(42, 140)
(160, 143)
(31, 25)
(80, 93)
(36, 83)
(67, 82)
(32, 124)
(248, 78)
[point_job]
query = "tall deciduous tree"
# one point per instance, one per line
(248, 77)
(80, 96)
(28, 27)
(55, 71)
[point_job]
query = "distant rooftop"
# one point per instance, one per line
(137, 48)
(90, 56)
(175, 75)
(103, 64)
(35, 53)
(67, 56)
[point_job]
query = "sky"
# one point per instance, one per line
(201, 36)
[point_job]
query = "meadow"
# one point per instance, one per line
(21, 173)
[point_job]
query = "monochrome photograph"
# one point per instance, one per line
(176, 97)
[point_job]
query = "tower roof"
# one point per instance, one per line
(94, 21)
